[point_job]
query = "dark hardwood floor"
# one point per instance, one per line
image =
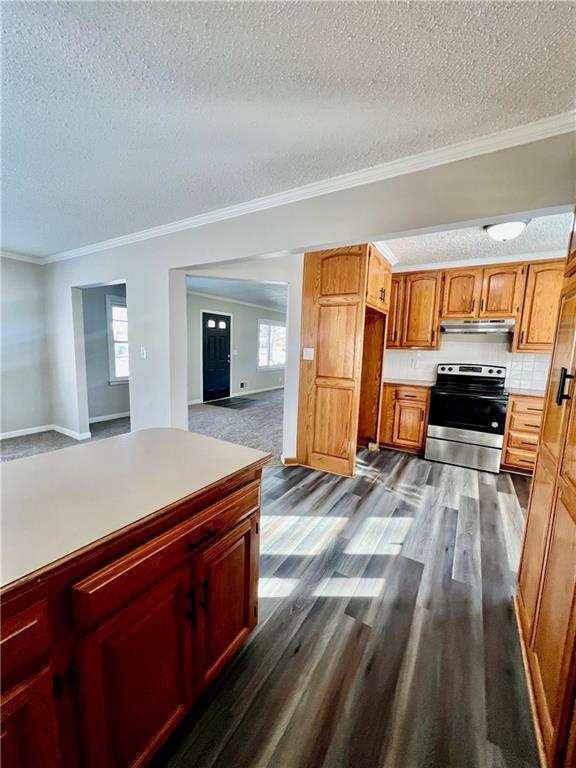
(387, 635)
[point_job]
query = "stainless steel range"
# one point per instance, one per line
(467, 416)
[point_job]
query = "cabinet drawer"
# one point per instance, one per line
(525, 441)
(108, 589)
(519, 458)
(525, 422)
(526, 404)
(25, 640)
(420, 394)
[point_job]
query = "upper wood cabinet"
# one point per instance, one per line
(501, 291)
(421, 310)
(395, 312)
(462, 292)
(535, 330)
(379, 277)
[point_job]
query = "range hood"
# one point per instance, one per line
(477, 326)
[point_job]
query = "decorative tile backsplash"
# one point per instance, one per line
(524, 371)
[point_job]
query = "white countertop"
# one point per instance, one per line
(409, 382)
(56, 503)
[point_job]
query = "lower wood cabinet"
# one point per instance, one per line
(135, 675)
(522, 433)
(404, 417)
(226, 577)
(101, 662)
(29, 723)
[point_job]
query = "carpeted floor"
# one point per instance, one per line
(257, 424)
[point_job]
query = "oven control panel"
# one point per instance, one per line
(465, 369)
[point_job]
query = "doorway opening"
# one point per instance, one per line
(237, 359)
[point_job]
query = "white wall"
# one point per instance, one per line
(244, 346)
(528, 178)
(103, 398)
(26, 398)
(524, 371)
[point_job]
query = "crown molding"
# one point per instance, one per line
(214, 297)
(22, 257)
(517, 257)
(545, 128)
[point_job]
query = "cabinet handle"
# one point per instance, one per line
(383, 294)
(473, 304)
(204, 603)
(482, 306)
(522, 338)
(190, 545)
(191, 614)
(564, 376)
(394, 336)
(433, 335)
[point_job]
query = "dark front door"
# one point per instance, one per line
(215, 356)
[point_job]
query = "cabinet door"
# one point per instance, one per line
(333, 309)
(564, 357)
(462, 289)
(501, 291)
(535, 538)
(421, 310)
(535, 332)
(136, 675)
(226, 588)
(409, 423)
(375, 292)
(555, 631)
(29, 724)
(394, 323)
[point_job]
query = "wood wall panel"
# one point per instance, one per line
(337, 322)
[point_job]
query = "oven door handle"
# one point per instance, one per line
(495, 399)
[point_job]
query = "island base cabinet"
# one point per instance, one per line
(136, 675)
(227, 582)
(29, 724)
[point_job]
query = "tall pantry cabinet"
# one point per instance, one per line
(346, 296)
(546, 599)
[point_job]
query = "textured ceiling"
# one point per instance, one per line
(122, 116)
(548, 233)
(269, 295)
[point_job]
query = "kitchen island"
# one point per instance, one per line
(129, 573)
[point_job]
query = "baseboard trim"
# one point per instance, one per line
(195, 402)
(108, 417)
(24, 432)
(289, 460)
(46, 428)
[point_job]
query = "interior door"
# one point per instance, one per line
(215, 356)
(226, 597)
(333, 308)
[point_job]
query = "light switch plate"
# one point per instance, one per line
(308, 353)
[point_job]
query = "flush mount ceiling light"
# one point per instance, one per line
(506, 231)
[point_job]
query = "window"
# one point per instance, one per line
(271, 344)
(117, 318)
